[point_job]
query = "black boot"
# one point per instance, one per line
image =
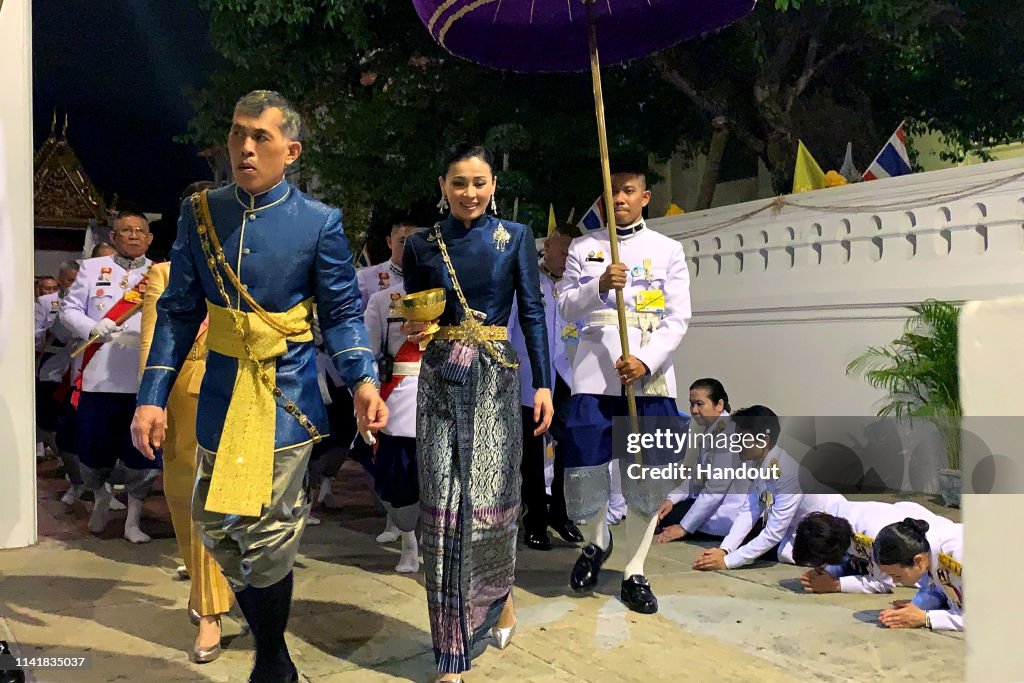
(266, 610)
(584, 574)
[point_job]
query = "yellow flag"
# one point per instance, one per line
(808, 175)
(674, 210)
(551, 219)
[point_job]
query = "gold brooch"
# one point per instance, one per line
(501, 237)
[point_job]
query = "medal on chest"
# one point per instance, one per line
(767, 500)
(651, 300)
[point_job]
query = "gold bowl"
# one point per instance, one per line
(422, 307)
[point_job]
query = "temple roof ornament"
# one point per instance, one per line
(64, 196)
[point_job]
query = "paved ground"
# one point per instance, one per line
(355, 619)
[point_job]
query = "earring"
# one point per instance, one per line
(442, 206)
(494, 206)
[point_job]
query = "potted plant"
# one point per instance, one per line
(919, 373)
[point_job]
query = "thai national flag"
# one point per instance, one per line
(892, 160)
(593, 219)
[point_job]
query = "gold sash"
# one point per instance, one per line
(243, 477)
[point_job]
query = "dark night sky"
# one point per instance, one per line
(118, 67)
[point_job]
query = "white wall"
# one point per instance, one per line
(783, 300)
(17, 416)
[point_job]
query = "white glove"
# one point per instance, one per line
(128, 339)
(106, 330)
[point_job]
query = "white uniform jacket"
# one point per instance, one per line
(781, 503)
(383, 328)
(101, 283)
(655, 264)
(946, 539)
(716, 501)
(376, 278)
(52, 339)
(562, 337)
(867, 518)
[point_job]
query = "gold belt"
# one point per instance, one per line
(485, 332)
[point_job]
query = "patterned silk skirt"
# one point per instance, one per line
(469, 446)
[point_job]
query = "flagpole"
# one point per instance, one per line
(609, 212)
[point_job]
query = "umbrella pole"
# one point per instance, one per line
(613, 237)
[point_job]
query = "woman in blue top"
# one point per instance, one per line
(469, 433)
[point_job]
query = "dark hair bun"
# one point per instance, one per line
(918, 525)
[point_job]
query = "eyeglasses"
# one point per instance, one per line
(128, 232)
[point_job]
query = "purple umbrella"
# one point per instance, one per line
(553, 35)
(568, 35)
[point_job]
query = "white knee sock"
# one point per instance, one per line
(409, 561)
(390, 534)
(636, 565)
(325, 491)
(598, 526)
(100, 511)
(132, 532)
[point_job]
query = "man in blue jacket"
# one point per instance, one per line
(256, 256)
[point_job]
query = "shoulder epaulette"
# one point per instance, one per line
(950, 565)
(863, 540)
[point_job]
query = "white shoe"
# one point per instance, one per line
(409, 561)
(325, 492)
(181, 574)
(313, 521)
(72, 495)
(132, 532)
(100, 516)
(136, 535)
(389, 535)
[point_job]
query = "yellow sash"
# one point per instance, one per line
(243, 476)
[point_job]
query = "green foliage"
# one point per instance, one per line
(832, 71)
(919, 372)
(381, 100)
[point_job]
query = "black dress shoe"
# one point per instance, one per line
(588, 566)
(568, 531)
(637, 595)
(537, 541)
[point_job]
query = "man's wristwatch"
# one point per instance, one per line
(928, 620)
(366, 380)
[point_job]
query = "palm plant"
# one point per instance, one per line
(919, 372)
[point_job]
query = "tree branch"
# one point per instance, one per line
(708, 106)
(680, 83)
(810, 72)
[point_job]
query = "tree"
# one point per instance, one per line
(381, 101)
(829, 71)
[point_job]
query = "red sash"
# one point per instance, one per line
(408, 353)
(130, 304)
